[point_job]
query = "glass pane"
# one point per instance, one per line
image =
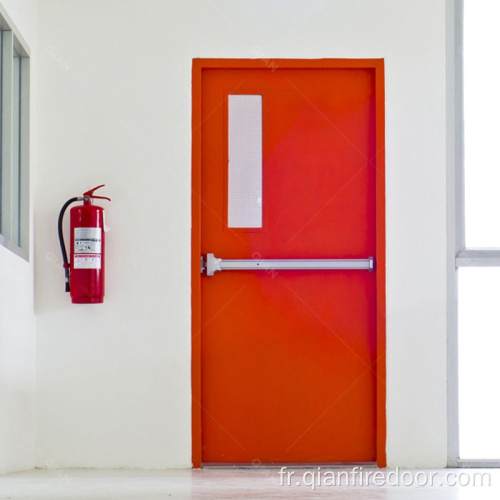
(245, 161)
(16, 171)
(482, 126)
(1, 134)
(24, 168)
(479, 362)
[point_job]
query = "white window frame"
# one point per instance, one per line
(15, 118)
(458, 255)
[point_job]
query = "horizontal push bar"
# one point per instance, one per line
(213, 264)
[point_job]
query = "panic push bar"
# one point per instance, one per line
(213, 264)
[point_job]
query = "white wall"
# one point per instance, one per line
(114, 94)
(17, 319)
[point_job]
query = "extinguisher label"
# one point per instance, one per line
(88, 240)
(87, 261)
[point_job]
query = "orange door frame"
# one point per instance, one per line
(198, 66)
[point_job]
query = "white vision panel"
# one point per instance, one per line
(245, 161)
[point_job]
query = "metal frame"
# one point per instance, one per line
(455, 219)
(14, 169)
(476, 257)
(457, 253)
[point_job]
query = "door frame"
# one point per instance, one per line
(272, 64)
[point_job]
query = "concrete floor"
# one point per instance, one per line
(221, 484)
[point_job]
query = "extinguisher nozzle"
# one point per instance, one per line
(67, 286)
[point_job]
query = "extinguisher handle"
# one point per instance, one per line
(90, 193)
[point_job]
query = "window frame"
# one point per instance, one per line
(458, 255)
(15, 235)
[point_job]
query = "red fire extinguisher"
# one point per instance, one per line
(85, 270)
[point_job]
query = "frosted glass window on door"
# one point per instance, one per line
(245, 161)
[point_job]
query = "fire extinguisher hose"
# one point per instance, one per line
(61, 238)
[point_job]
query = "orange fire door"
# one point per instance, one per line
(291, 220)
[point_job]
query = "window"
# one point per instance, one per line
(477, 274)
(245, 161)
(14, 147)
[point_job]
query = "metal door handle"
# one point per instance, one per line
(213, 264)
